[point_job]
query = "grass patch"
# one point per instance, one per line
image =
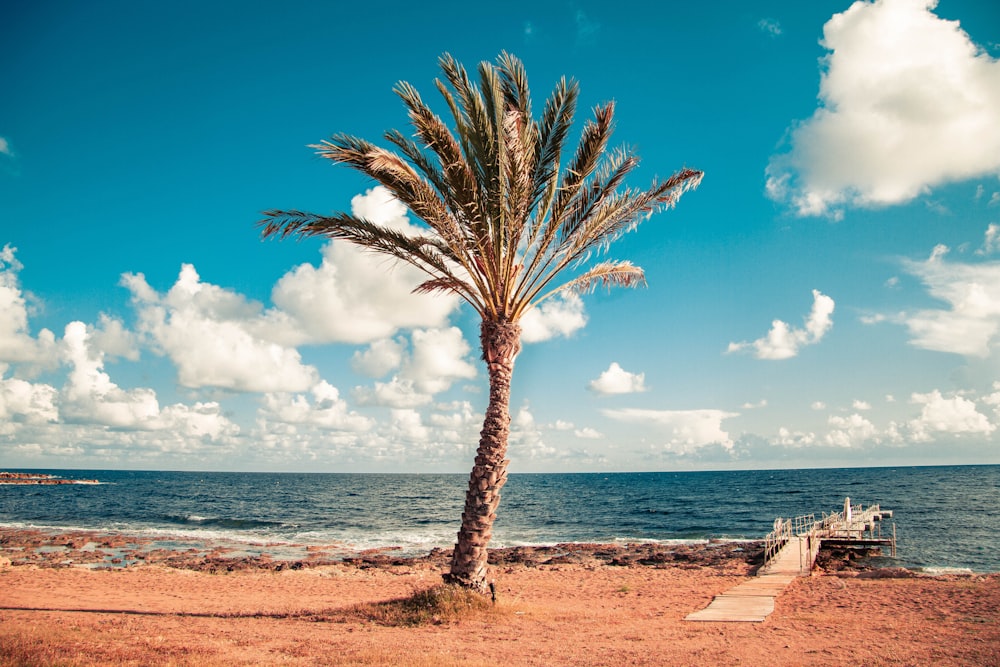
(434, 606)
(43, 647)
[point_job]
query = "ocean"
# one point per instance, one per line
(947, 517)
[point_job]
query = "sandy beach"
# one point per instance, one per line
(565, 605)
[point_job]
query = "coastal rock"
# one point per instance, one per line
(37, 478)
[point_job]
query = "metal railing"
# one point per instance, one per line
(851, 523)
(784, 530)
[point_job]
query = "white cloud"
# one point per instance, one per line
(991, 242)
(357, 296)
(970, 324)
(91, 402)
(526, 439)
(908, 103)
(407, 425)
(762, 403)
(22, 401)
(861, 405)
(784, 341)
(379, 358)
(5, 147)
(770, 26)
(397, 393)
(850, 431)
(91, 397)
(617, 380)
(213, 337)
(818, 405)
(794, 439)
(325, 409)
(16, 343)
(588, 433)
(685, 430)
(110, 337)
(203, 421)
(560, 315)
(437, 359)
(955, 415)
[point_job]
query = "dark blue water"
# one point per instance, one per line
(946, 517)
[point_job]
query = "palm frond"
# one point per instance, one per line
(505, 216)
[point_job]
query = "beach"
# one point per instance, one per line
(559, 605)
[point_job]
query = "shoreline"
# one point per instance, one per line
(93, 549)
(562, 604)
(55, 547)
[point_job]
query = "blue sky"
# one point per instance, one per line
(829, 296)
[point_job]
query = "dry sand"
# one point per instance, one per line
(580, 605)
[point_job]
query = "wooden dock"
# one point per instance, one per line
(790, 551)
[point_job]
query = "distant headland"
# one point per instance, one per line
(37, 478)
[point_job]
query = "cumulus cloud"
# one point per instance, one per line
(685, 430)
(908, 102)
(851, 431)
(588, 433)
(794, 439)
(357, 296)
(616, 380)
(560, 315)
(91, 397)
(784, 341)
(396, 393)
(438, 359)
(16, 342)
(5, 147)
(939, 415)
(971, 322)
(213, 336)
(379, 358)
(322, 407)
(111, 338)
(193, 425)
(25, 402)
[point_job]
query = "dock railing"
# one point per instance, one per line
(851, 524)
(784, 530)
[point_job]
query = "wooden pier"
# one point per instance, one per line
(790, 551)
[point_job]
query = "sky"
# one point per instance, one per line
(828, 297)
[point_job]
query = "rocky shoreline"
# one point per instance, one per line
(38, 478)
(100, 550)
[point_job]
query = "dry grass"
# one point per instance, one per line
(36, 646)
(434, 606)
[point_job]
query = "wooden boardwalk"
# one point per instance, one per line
(790, 551)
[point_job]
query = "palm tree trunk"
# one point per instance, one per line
(501, 341)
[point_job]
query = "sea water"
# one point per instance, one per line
(946, 518)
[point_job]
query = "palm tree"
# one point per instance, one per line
(505, 220)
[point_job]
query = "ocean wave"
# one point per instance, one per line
(945, 570)
(224, 522)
